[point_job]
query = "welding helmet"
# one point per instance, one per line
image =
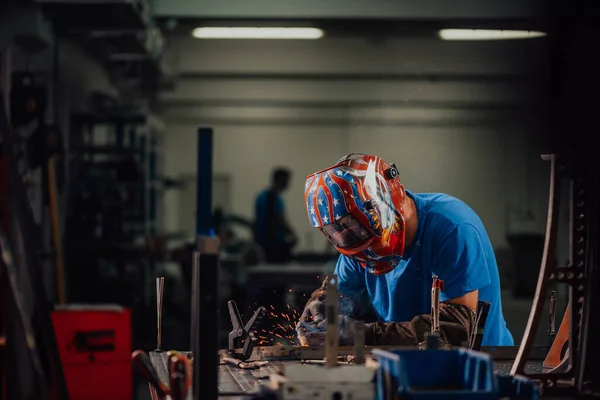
(358, 205)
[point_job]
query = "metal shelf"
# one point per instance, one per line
(76, 16)
(108, 117)
(106, 150)
(119, 33)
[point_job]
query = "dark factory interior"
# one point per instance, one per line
(291, 200)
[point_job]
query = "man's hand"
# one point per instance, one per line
(315, 333)
(314, 312)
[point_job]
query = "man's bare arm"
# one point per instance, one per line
(470, 300)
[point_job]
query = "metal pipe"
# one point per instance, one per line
(160, 287)
(332, 333)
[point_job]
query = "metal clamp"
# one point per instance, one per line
(242, 333)
(436, 287)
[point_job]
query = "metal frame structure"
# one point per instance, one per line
(581, 274)
(30, 341)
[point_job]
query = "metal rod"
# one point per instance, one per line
(204, 182)
(195, 337)
(160, 287)
(552, 318)
(435, 305)
(359, 343)
(194, 298)
(332, 332)
(206, 328)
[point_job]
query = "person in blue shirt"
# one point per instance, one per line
(272, 231)
(392, 242)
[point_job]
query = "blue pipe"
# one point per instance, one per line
(204, 183)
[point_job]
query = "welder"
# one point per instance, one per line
(392, 242)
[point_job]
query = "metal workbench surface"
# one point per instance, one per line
(238, 383)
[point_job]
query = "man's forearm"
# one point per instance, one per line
(456, 322)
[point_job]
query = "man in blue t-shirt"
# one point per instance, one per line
(392, 243)
(272, 232)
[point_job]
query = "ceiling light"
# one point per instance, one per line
(257, 33)
(487, 34)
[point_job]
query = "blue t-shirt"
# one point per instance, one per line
(263, 217)
(451, 242)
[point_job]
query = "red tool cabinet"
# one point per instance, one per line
(95, 349)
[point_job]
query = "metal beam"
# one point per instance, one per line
(454, 105)
(349, 9)
(342, 122)
(406, 77)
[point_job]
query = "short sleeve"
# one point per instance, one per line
(460, 261)
(351, 276)
(279, 205)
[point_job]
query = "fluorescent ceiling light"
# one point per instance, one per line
(487, 34)
(256, 33)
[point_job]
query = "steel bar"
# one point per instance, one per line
(206, 320)
(332, 331)
(552, 318)
(160, 287)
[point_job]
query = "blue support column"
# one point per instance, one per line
(205, 281)
(204, 182)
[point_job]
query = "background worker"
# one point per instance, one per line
(391, 242)
(272, 231)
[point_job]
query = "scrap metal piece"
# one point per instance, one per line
(242, 364)
(332, 335)
(319, 362)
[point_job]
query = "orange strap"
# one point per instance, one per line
(553, 358)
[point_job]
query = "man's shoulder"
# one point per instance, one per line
(446, 210)
(262, 195)
(346, 263)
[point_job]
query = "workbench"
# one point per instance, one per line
(237, 383)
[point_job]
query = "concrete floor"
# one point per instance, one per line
(516, 313)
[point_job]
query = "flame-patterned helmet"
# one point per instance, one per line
(358, 205)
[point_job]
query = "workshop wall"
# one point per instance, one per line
(305, 103)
